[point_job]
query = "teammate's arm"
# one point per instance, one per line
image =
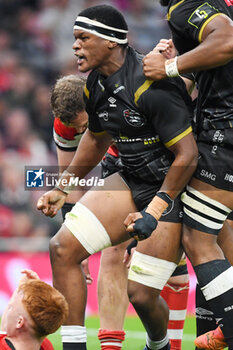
(215, 49)
(91, 149)
(167, 48)
(181, 170)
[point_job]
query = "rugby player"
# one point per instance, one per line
(34, 311)
(203, 35)
(150, 124)
(69, 124)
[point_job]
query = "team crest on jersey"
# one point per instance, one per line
(201, 13)
(133, 118)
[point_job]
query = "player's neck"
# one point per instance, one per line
(25, 342)
(114, 62)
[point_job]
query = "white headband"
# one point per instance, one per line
(101, 30)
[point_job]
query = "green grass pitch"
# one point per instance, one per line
(135, 335)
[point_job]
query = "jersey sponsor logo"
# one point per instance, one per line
(218, 136)
(228, 177)
(133, 118)
(228, 308)
(201, 13)
(112, 101)
(118, 88)
(208, 175)
(104, 115)
(202, 311)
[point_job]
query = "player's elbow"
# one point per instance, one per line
(190, 157)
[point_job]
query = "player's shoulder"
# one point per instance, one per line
(189, 9)
(3, 344)
(46, 345)
(91, 82)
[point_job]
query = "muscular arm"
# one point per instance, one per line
(215, 49)
(183, 166)
(179, 173)
(91, 149)
(64, 159)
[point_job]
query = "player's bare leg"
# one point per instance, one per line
(156, 256)
(112, 296)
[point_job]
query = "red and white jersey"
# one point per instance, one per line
(66, 138)
(46, 345)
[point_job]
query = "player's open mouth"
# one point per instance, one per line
(80, 59)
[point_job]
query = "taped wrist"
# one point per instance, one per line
(171, 67)
(66, 182)
(132, 245)
(144, 226)
(158, 204)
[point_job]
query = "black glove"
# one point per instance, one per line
(144, 227)
(132, 245)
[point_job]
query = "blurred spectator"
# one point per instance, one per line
(55, 20)
(41, 113)
(147, 24)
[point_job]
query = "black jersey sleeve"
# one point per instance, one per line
(93, 120)
(192, 16)
(167, 111)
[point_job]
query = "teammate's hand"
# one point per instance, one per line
(51, 202)
(129, 252)
(140, 225)
(28, 275)
(167, 48)
(85, 266)
(154, 65)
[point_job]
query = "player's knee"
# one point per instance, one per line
(151, 274)
(140, 296)
(112, 256)
(62, 252)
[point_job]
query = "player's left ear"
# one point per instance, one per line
(20, 322)
(112, 44)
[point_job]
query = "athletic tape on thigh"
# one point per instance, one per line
(150, 271)
(204, 211)
(87, 229)
(219, 285)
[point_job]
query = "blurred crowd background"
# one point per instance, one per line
(36, 39)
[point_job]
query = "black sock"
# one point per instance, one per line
(205, 320)
(218, 274)
(74, 346)
(166, 347)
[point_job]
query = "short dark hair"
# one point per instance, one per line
(107, 15)
(67, 97)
